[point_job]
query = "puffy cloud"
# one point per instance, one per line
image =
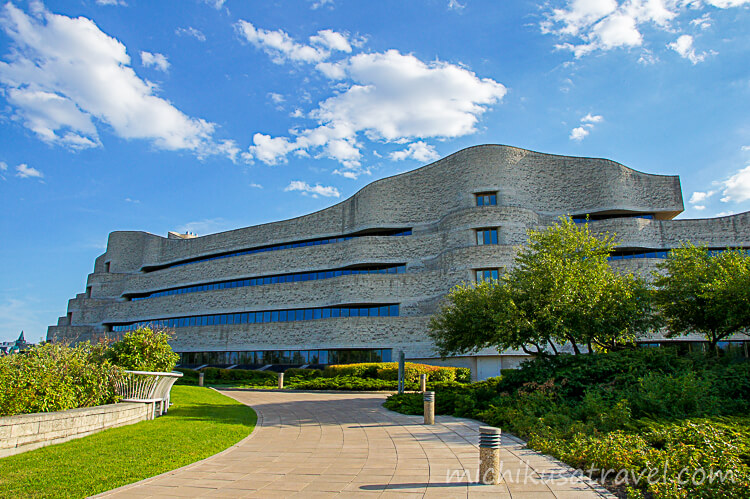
(25, 171)
(592, 119)
(279, 45)
(455, 5)
(313, 190)
(64, 74)
(255, 186)
(684, 46)
(190, 31)
(608, 24)
(316, 4)
(579, 133)
(699, 197)
(737, 187)
(419, 151)
(158, 61)
(3, 166)
(276, 98)
(331, 40)
(587, 124)
(385, 96)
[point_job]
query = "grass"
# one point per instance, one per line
(199, 424)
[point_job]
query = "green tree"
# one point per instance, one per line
(144, 349)
(704, 293)
(561, 290)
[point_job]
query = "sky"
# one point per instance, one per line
(210, 115)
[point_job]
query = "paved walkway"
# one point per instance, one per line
(310, 445)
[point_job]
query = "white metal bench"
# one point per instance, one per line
(148, 387)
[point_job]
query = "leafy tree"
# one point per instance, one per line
(144, 349)
(710, 295)
(560, 291)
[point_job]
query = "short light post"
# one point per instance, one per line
(489, 455)
(200, 379)
(281, 381)
(401, 371)
(423, 383)
(429, 407)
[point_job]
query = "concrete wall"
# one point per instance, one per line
(437, 201)
(26, 432)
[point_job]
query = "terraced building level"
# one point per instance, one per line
(358, 281)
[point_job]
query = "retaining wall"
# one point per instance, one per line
(30, 431)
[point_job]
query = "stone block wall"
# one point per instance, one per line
(26, 432)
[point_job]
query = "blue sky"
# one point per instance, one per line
(210, 115)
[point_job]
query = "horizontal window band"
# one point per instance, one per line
(287, 357)
(276, 247)
(274, 279)
(265, 316)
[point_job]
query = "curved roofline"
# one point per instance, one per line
(423, 167)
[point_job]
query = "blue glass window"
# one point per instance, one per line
(486, 236)
(486, 199)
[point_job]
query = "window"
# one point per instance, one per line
(486, 236)
(106, 267)
(486, 199)
(487, 274)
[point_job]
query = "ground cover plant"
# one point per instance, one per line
(371, 376)
(637, 411)
(200, 423)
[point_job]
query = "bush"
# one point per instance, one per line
(144, 349)
(249, 376)
(389, 371)
(55, 377)
(301, 374)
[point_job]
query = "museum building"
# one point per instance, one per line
(358, 281)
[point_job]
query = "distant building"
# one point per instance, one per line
(358, 281)
(11, 347)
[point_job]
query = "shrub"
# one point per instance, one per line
(302, 374)
(144, 349)
(55, 377)
(248, 376)
(389, 371)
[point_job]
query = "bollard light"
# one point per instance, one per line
(489, 455)
(422, 382)
(200, 379)
(429, 407)
(281, 381)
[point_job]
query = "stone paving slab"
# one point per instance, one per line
(311, 444)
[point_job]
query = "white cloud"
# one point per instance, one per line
(601, 25)
(158, 61)
(579, 133)
(587, 124)
(279, 45)
(455, 5)
(312, 190)
(63, 75)
(684, 46)
(745, 148)
(25, 171)
(190, 31)
(216, 4)
(419, 151)
(331, 40)
(699, 197)
(699, 207)
(737, 187)
(592, 119)
(386, 96)
(255, 186)
(110, 2)
(316, 4)
(130, 200)
(276, 98)
(3, 166)
(703, 22)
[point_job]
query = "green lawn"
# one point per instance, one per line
(199, 424)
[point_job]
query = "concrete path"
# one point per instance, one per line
(310, 445)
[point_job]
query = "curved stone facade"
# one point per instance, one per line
(437, 203)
